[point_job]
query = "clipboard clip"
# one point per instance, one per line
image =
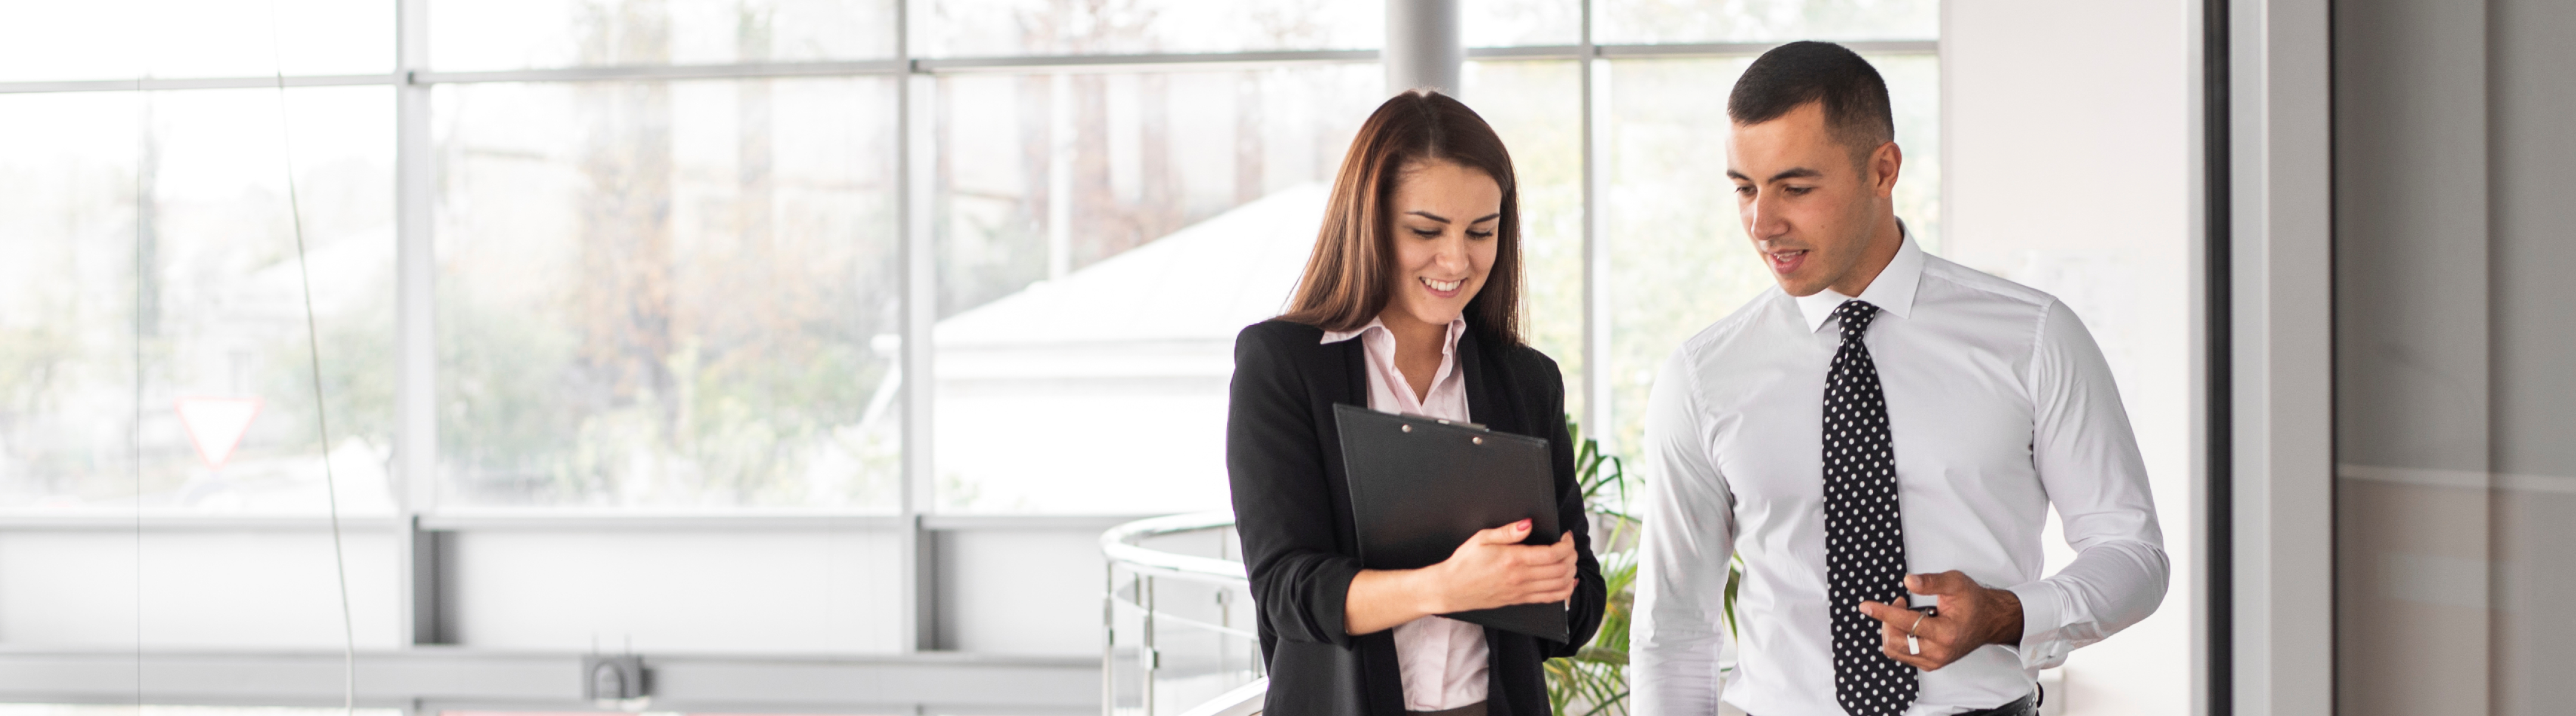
(1445, 421)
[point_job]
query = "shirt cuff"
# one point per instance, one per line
(2043, 635)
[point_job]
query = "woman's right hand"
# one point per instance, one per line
(1493, 569)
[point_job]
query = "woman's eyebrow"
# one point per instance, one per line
(1434, 217)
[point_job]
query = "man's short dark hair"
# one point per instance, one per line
(1792, 75)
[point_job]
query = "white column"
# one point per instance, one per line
(2283, 357)
(1423, 45)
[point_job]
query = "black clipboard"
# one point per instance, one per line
(1421, 486)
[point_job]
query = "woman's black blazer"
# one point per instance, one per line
(1293, 511)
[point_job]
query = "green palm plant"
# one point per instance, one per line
(1594, 682)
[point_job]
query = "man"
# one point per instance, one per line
(1888, 430)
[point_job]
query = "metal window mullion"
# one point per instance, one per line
(416, 353)
(920, 569)
(1596, 250)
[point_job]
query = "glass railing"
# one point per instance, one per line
(1177, 620)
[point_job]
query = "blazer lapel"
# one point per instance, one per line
(1485, 405)
(1355, 388)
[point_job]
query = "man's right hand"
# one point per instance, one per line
(1493, 569)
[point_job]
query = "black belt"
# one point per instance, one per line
(2024, 706)
(1474, 709)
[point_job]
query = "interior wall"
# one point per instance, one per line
(651, 591)
(265, 589)
(2456, 483)
(2069, 164)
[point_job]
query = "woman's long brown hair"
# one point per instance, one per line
(1351, 275)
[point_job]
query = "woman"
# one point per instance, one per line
(1410, 303)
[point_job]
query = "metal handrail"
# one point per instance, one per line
(1121, 546)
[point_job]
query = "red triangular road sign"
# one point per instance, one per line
(216, 425)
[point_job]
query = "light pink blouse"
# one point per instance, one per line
(1442, 660)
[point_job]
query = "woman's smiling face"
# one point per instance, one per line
(1445, 217)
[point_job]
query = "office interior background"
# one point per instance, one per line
(831, 356)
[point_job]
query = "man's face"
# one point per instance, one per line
(1809, 208)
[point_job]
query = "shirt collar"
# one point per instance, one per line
(1457, 327)
(1892, 291)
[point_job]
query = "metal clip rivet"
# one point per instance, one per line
(1479, 440)
(1408, 428)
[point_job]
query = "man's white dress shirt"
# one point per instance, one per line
(1999, 404)
(1442, 660)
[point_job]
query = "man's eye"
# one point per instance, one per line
(1798, 190)
(1744, 190)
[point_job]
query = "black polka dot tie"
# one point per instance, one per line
(1864, 539)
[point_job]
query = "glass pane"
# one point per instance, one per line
(1681, 21)
(226, 406)
(1679, 257)
(2455, 497)
(1538, 109)
(126, 39)
(1101, 239)
(1505, 23)
(671, 294)
(975, 28)
(521, 34)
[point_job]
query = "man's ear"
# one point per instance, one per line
(1885, 163)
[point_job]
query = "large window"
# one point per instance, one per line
(670, 240)
(668, 294)
(1102, 236)
(991, 28)
(153, 270)
(466, 35)
(132, 39)
(1765, 21)
(881, 328)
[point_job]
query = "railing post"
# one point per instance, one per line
(1148, 659)
(1109, 639)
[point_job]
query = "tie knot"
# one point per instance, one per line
(1856, 315)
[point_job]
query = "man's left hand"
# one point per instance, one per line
(1971, 616)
